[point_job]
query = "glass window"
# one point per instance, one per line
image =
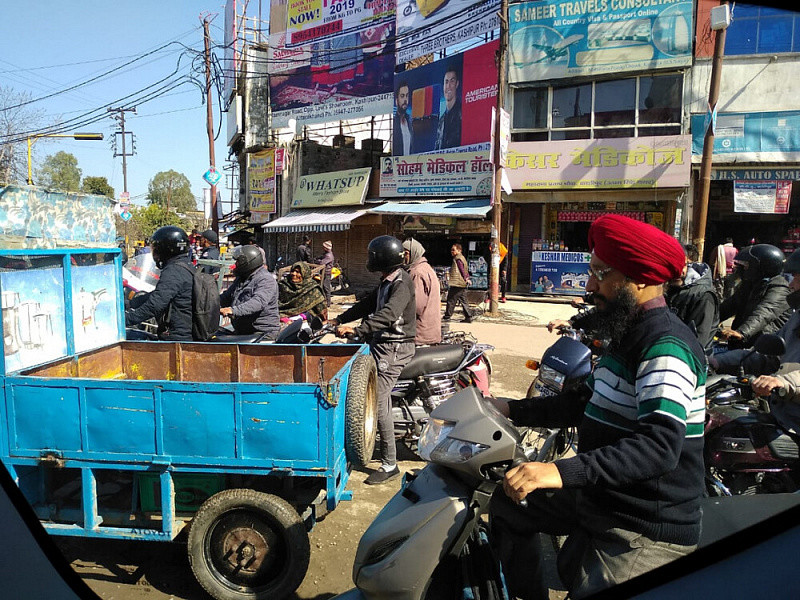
(572, 106)
(571, 134)
(652, 131)
(615, 102)
(756, 30)
(530, 108)
(775, 34)
(529, 136)
(741, 36)
(616, 132)
(660, 99)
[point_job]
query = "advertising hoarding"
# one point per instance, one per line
(339, 188)
(261, 185)
(559, 272)
(765, 197)
(739, 137)
(553, 39)
(314, 20)
(644, 162)
(231, 56)
(444, 95)
(453, 174)
(429, 25)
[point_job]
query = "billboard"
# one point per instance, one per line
(644, 162)
(331, 77)
(752, 137)
(432, 102)
(452, 174)
(261, 185)
(337, 188)
(563, 273)
(553, 39)
(768, 197)
(231, 56)
(427, 26)
(310, 21)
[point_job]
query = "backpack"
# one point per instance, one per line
(205, 304)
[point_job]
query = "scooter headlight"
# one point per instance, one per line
(435, 444)
(551, 377)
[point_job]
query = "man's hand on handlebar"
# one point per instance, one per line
(528, 477)
(764, 384)
(344, 331)
(557, 324)
(730, 334)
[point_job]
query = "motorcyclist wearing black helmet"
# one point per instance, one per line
(389, 326)
(759, 303)
(251, 301)
(170, 303)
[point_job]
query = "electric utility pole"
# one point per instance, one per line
(120, 117)
(210, 121)
(497, 212)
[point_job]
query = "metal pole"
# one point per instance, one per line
(708, 144)
(210, 123)
(497, 212)
(30, 173)
(124, 158)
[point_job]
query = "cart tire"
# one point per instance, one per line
(248, 545)
(361, 411)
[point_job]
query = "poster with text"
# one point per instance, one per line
(427, 26)
(553, 39)
(433, 102)
(453, 174)
(314, 20)
(261, 185)
(559, 272)
(766, 197)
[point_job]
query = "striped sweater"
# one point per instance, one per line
(640, 453)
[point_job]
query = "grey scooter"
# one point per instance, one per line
(429, 541)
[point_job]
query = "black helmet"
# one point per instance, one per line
(792, 264)
(167, 242)
(384, 254)
(248, 259)
(763, 261)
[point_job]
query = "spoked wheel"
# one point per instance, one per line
(247, 545)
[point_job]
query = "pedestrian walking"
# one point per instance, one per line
(458, 281)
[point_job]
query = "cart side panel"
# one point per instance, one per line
(150, 361)
(45, 418)
(198, 423)
(120, 422)
(284, 425)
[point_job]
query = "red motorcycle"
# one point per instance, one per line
(752, 444)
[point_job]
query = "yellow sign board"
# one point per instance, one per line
(261, 185)
(339, 188)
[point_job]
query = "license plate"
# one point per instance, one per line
(542, 389)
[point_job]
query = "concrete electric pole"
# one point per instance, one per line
(210, 121)
(120, 117)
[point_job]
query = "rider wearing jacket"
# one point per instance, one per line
(759, 303)
(693, 298)
(171, 302)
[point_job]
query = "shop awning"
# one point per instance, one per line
(334, 218)
(470, 208)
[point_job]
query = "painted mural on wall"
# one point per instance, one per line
(95, 299)
(32, 217)
(33, 313)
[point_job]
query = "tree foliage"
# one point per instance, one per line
(171, 190)
(147, 219)
(16, 122)
(60, 172)
(97, 185)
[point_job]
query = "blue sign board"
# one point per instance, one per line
(750, 132)
(554, 39)
(212, 176)
(562, 273)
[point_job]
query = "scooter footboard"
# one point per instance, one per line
(401, 548)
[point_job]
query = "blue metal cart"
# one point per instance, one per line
(248, 443)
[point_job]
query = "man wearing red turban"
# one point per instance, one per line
(629, 500)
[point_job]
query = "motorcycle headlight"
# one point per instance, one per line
(435, 444)
(551, 377)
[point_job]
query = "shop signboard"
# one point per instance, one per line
(310, 21)
(562, 273)
(429, 224)
(644, 162)
(450, 102)
(328, 75)
(762, 137)
(766, 197)
(554, 39)
(430, 25)
(454, 174)
(261, 185)
(338, 188)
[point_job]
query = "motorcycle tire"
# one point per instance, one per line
(361, 411)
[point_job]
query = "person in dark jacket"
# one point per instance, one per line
(759, 303)
(170, 303)
(303, 251)
(251, 301)
(630, 499)
(389, 317)
(208, 242)
(694, 299)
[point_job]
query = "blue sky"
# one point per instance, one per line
(49, 45)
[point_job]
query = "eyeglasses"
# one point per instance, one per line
(599, 274)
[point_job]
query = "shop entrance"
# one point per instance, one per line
(575, 236)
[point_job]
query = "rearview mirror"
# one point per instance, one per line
(770, 344)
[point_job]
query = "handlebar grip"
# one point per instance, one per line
(515, 463)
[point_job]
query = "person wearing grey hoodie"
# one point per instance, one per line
(427, 293)
(694, 299)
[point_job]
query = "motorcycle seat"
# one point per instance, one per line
(433, 359)
(234, 338)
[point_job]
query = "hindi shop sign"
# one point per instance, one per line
(261, 185)
(452, 174)
(645, 162)
(339, 188)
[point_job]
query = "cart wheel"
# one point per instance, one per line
(361, 411)
(247, 545)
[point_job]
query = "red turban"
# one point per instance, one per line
(639, 251)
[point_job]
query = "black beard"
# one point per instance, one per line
(612, 322)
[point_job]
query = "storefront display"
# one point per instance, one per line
(559, 272)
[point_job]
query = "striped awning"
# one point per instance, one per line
(465, 208)
(335, 218)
